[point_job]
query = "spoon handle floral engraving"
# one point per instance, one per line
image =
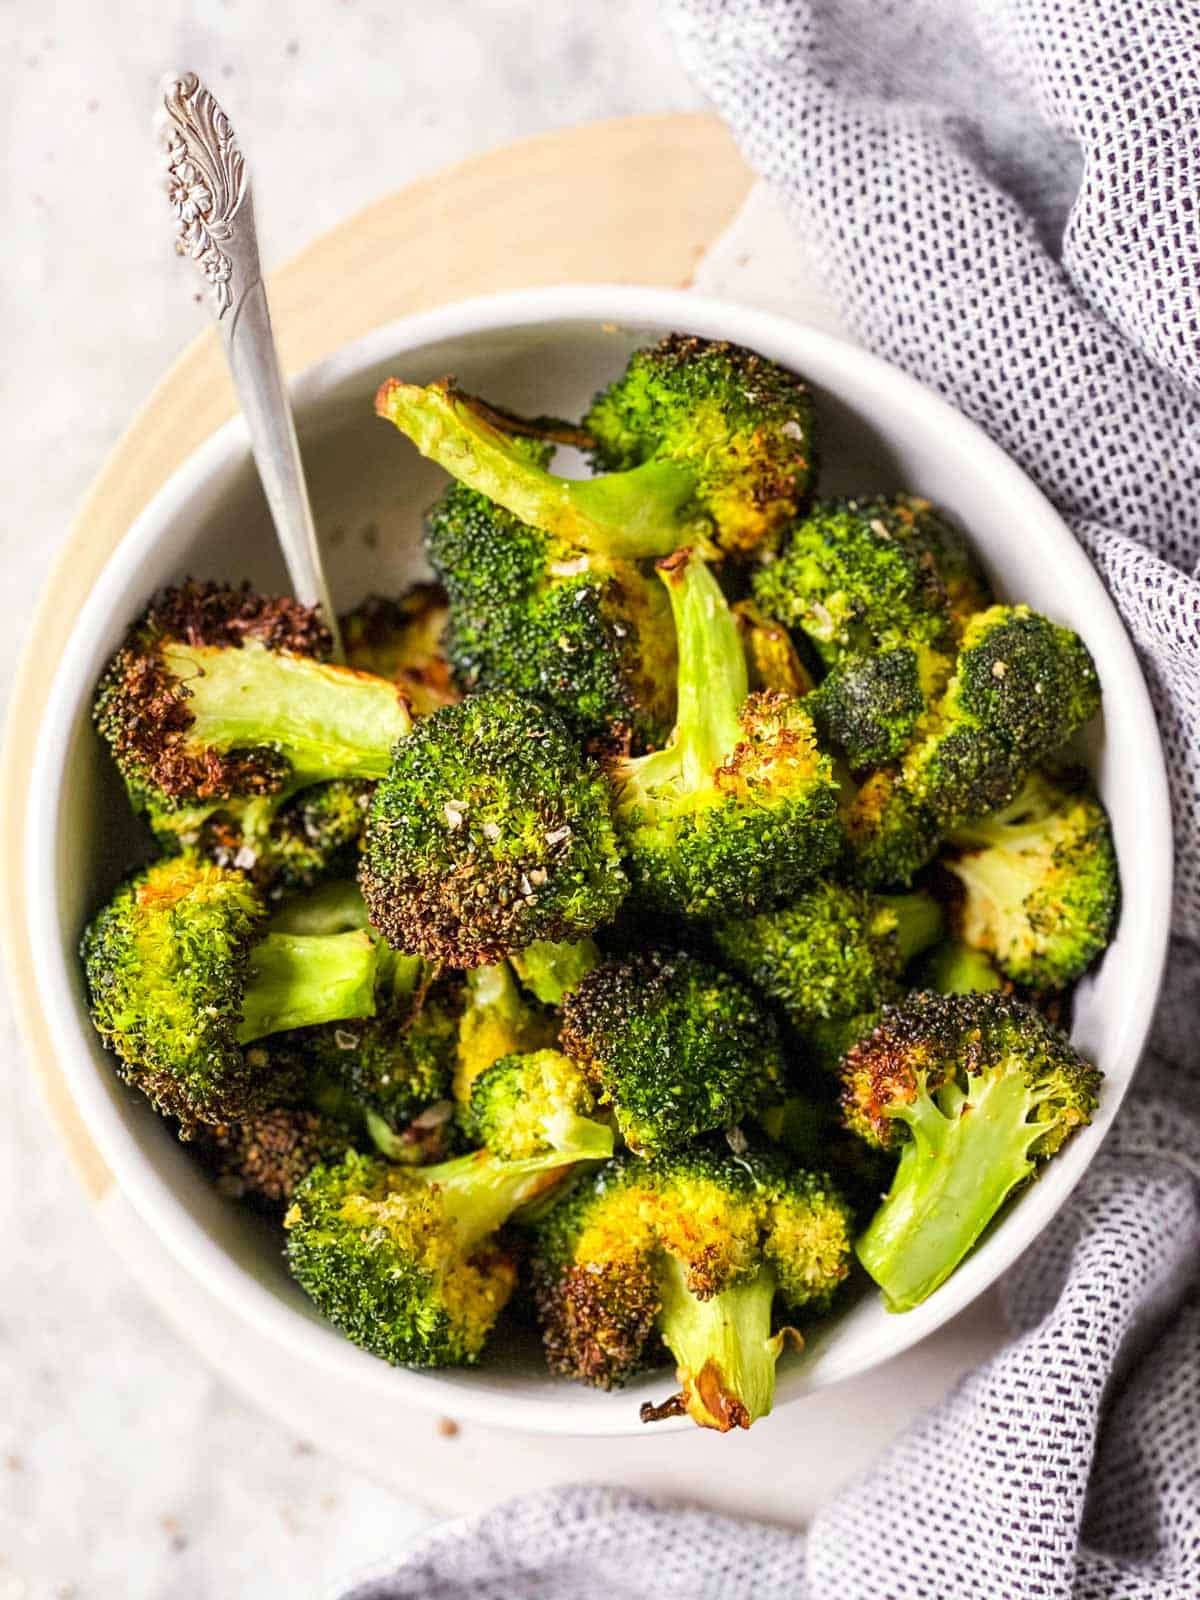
(209, 191)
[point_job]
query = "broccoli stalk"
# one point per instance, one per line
(724, 1350)
(698, 439)
(978, 1090)
(299, 980)
(740, 808)
(648, 511)
(549, 971)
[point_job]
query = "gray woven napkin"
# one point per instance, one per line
(1003, 197)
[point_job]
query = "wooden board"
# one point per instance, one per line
(634, 200)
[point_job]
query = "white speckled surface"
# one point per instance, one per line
(126, 1468)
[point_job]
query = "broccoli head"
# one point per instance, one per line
(1039, 883)
(674, 1045)
(387, 1078)
(219, 693)
(863, 575)
(834, 951)
(1022, 686)
(977, 1091)
(740, 808)
(586, 633)
(263, 1159)
(488, 833)
(284, 843)
(694, 1251)
(406, 1260)
(697, 440)
(869, 706)
(403, 641)
(529, 1105)
(183, 973)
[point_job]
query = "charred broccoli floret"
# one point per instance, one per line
(183, 973)
(406, 1260)
(498, 1020)
(1022, 686)
(695, 1250)
(869, 706)
(586, 633)
(674, 1045)
(772, 660)
(740, 808)
(696, 440)
(488, 833)
(865, 575)
(529, 1105)
(288, 842)
(222, 693)
(834, 951)
(403, 640)
(263, 1159)
(978, 1091)
(1039, 882)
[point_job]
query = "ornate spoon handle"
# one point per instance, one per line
(210, 195)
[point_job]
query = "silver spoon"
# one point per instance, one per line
(209, 191)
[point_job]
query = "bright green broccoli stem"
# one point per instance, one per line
(328, 721)
(548, 970)
(712, 684)
(647, 511)
(725, 1353)
(957, 968)
(919, 923)
(481, 1192)
(581, 1138)
(297, 980)
(966, 1156)
(999, 878)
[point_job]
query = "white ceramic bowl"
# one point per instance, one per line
(547, 351)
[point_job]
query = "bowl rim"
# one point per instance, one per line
(166, 1213)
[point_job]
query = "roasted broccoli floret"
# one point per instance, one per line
(406, 1260)
(1022, 686)
(740, 808)
(488, 833)
(222, 694)
(697, 440)
(529, 1105)
(865, 575)
(498, 1020)
(587, 633)
(1039, 882)
(869, 706)
(285, 843)
(263, 1159)
(978, 1091)
(183, 973)
(387, 1078)
(955, 968)
(403, 640)
(834, 951)
(696, 1250)
(674, 1045)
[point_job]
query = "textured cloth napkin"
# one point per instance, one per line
(1003, 197)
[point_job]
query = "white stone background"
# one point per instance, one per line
(127, 1469)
